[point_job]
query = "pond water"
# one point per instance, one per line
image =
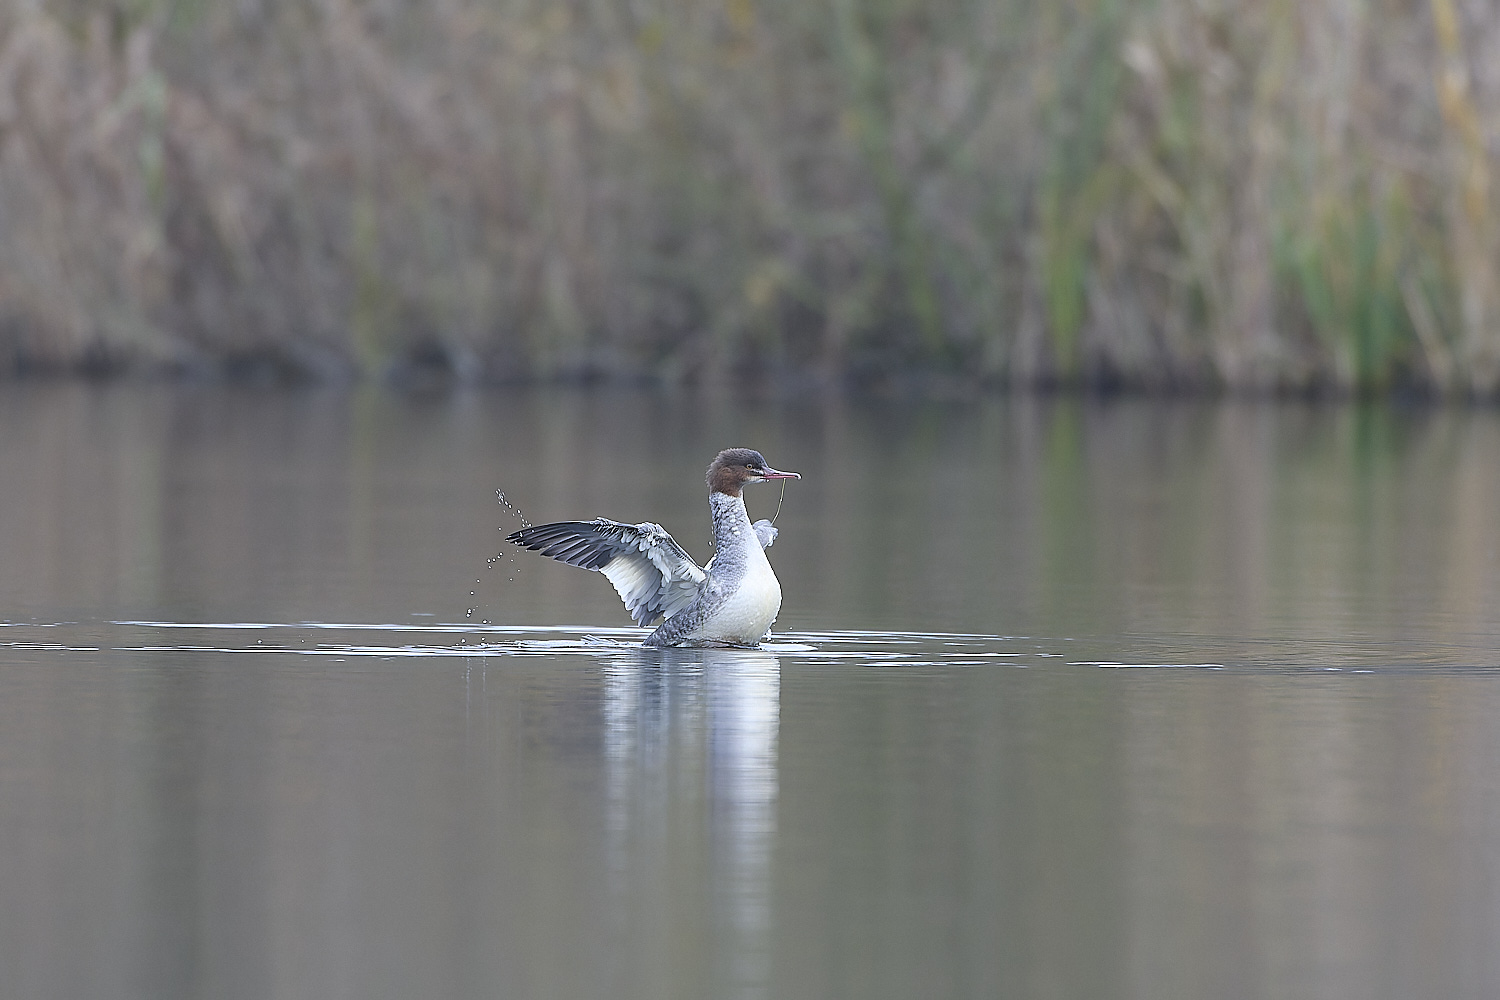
(1067, 700)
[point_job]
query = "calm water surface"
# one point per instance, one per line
(1123, 700)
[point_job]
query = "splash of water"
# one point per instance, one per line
(500, 496)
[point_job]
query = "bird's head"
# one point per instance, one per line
(735, 467)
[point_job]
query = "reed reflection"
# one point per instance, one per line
(689, 734)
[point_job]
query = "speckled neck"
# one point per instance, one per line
(734, 538)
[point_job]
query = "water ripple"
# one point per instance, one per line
(908, 649)
(823, 647)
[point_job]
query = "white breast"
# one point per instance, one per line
(746, 614)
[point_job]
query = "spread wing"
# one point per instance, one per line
(653, 575)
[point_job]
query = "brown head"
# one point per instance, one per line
(738, 466)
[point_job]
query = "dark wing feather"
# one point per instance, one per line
(650, 571)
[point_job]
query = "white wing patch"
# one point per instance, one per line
(649, 570)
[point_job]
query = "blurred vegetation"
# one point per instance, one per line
(1158, 194)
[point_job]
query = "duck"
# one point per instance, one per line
(730, 601)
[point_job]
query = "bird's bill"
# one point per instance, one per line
(771, 473)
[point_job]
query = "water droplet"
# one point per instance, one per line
(500, 496)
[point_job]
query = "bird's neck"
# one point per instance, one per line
(727, 508)
(722, 479)
(731, 522)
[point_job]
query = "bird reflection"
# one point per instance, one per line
(689, 732)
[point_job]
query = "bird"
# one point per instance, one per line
(731, 601)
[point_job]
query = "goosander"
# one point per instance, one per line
(731, 601)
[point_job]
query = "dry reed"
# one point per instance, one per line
(1172, 195)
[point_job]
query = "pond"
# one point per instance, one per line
(1067, 699)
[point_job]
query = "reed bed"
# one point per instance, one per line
(1176, 195)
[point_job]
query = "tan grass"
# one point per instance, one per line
(1179, 194)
